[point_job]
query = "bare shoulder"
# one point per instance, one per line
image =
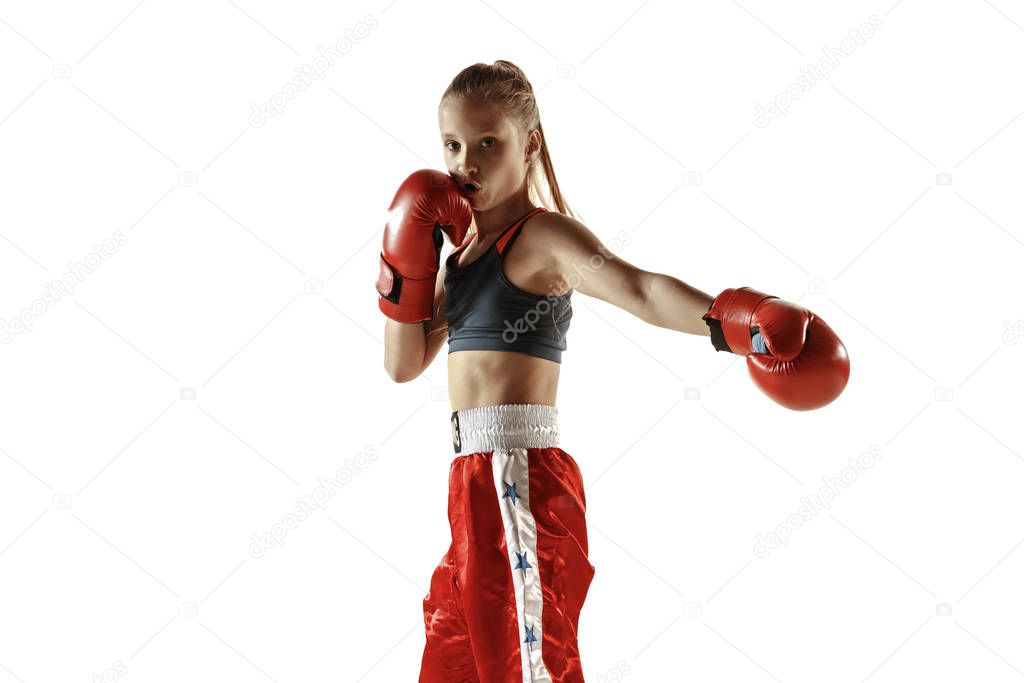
(557, 225)
(589, 266)
(564, 240)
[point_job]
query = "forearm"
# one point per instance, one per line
(673, 304)
(404, 348)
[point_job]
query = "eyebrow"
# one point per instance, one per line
(453, 135)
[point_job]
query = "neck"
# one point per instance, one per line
(492, 221)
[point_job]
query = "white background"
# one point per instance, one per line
(241, 261)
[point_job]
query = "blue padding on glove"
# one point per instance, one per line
(757, 342)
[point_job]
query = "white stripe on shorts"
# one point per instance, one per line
(511, 469)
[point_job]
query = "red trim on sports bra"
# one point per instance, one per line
(510, 233)
(459, 249)
(453, 258)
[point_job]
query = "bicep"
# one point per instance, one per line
(593, 269)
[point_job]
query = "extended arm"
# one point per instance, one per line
(792, 355)
(590, 268)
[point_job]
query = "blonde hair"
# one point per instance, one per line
(505, 85)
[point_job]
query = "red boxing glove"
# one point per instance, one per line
(428, 203)
(807, 367)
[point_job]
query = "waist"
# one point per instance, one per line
(509, 425)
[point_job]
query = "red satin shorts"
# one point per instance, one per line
(504, 603)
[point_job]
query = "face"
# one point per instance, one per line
(486, 150)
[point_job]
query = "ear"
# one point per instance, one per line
(533, 144)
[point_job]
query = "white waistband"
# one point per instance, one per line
(510, 425)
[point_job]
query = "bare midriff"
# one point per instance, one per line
(486, 378)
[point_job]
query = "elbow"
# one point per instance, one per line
(400, 375)
(641, 294)
(396, 376)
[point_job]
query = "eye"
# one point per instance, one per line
(493, 141)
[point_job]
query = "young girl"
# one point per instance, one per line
(505, 600)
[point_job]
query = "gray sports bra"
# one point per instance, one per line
(485, 311)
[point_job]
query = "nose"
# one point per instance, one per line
(464, 165)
